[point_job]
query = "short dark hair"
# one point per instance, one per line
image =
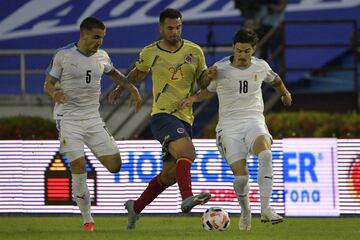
(91, 22)
(246, 35)
(169, 13)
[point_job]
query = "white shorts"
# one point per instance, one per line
(74, 134)
(236, 144)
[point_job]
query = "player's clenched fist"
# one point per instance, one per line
(286, 99)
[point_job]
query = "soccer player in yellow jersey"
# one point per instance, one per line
(176, 65)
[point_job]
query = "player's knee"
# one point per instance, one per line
(78, 166)
(182, 148)
(241, 184)
(111, 162)
(115, 166)
(241, 180)
(115, 169)
(169, 181)
(261, 144)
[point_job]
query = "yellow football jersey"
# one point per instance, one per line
(173, 76)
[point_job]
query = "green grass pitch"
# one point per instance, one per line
(169, 227)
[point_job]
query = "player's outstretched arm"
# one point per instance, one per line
(56, 94)
(206, 77)
(123, 83)
(135, 76)
(279, 85)
(201, 95)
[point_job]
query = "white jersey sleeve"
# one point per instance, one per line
(108, 66)
(270, 74)
(213, 84)
(56, 68)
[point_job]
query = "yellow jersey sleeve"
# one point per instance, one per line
(146, 59)
(201, 64)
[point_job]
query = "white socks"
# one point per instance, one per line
(241, 187)
(265, 178)
(82, 195)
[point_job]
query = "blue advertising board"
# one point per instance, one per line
(312, 177)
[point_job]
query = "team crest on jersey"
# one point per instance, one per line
(188, 58)
(180, 130)
(256, 77)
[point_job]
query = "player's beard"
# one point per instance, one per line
(174, 40)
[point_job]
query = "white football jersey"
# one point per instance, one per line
(239, 90)
(79, 76)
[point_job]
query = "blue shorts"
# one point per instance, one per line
(167, 128)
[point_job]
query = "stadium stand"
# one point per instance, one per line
(317, 59)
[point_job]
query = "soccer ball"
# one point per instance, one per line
(215, 218)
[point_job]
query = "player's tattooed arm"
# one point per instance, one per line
(118, 78)
(206, 77)
(123, 83)
(136, 76)
(279, 85)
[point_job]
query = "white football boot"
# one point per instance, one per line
(269, 215)
(245, 221)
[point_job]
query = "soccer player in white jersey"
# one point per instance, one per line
(241, 129)
(73, 82)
